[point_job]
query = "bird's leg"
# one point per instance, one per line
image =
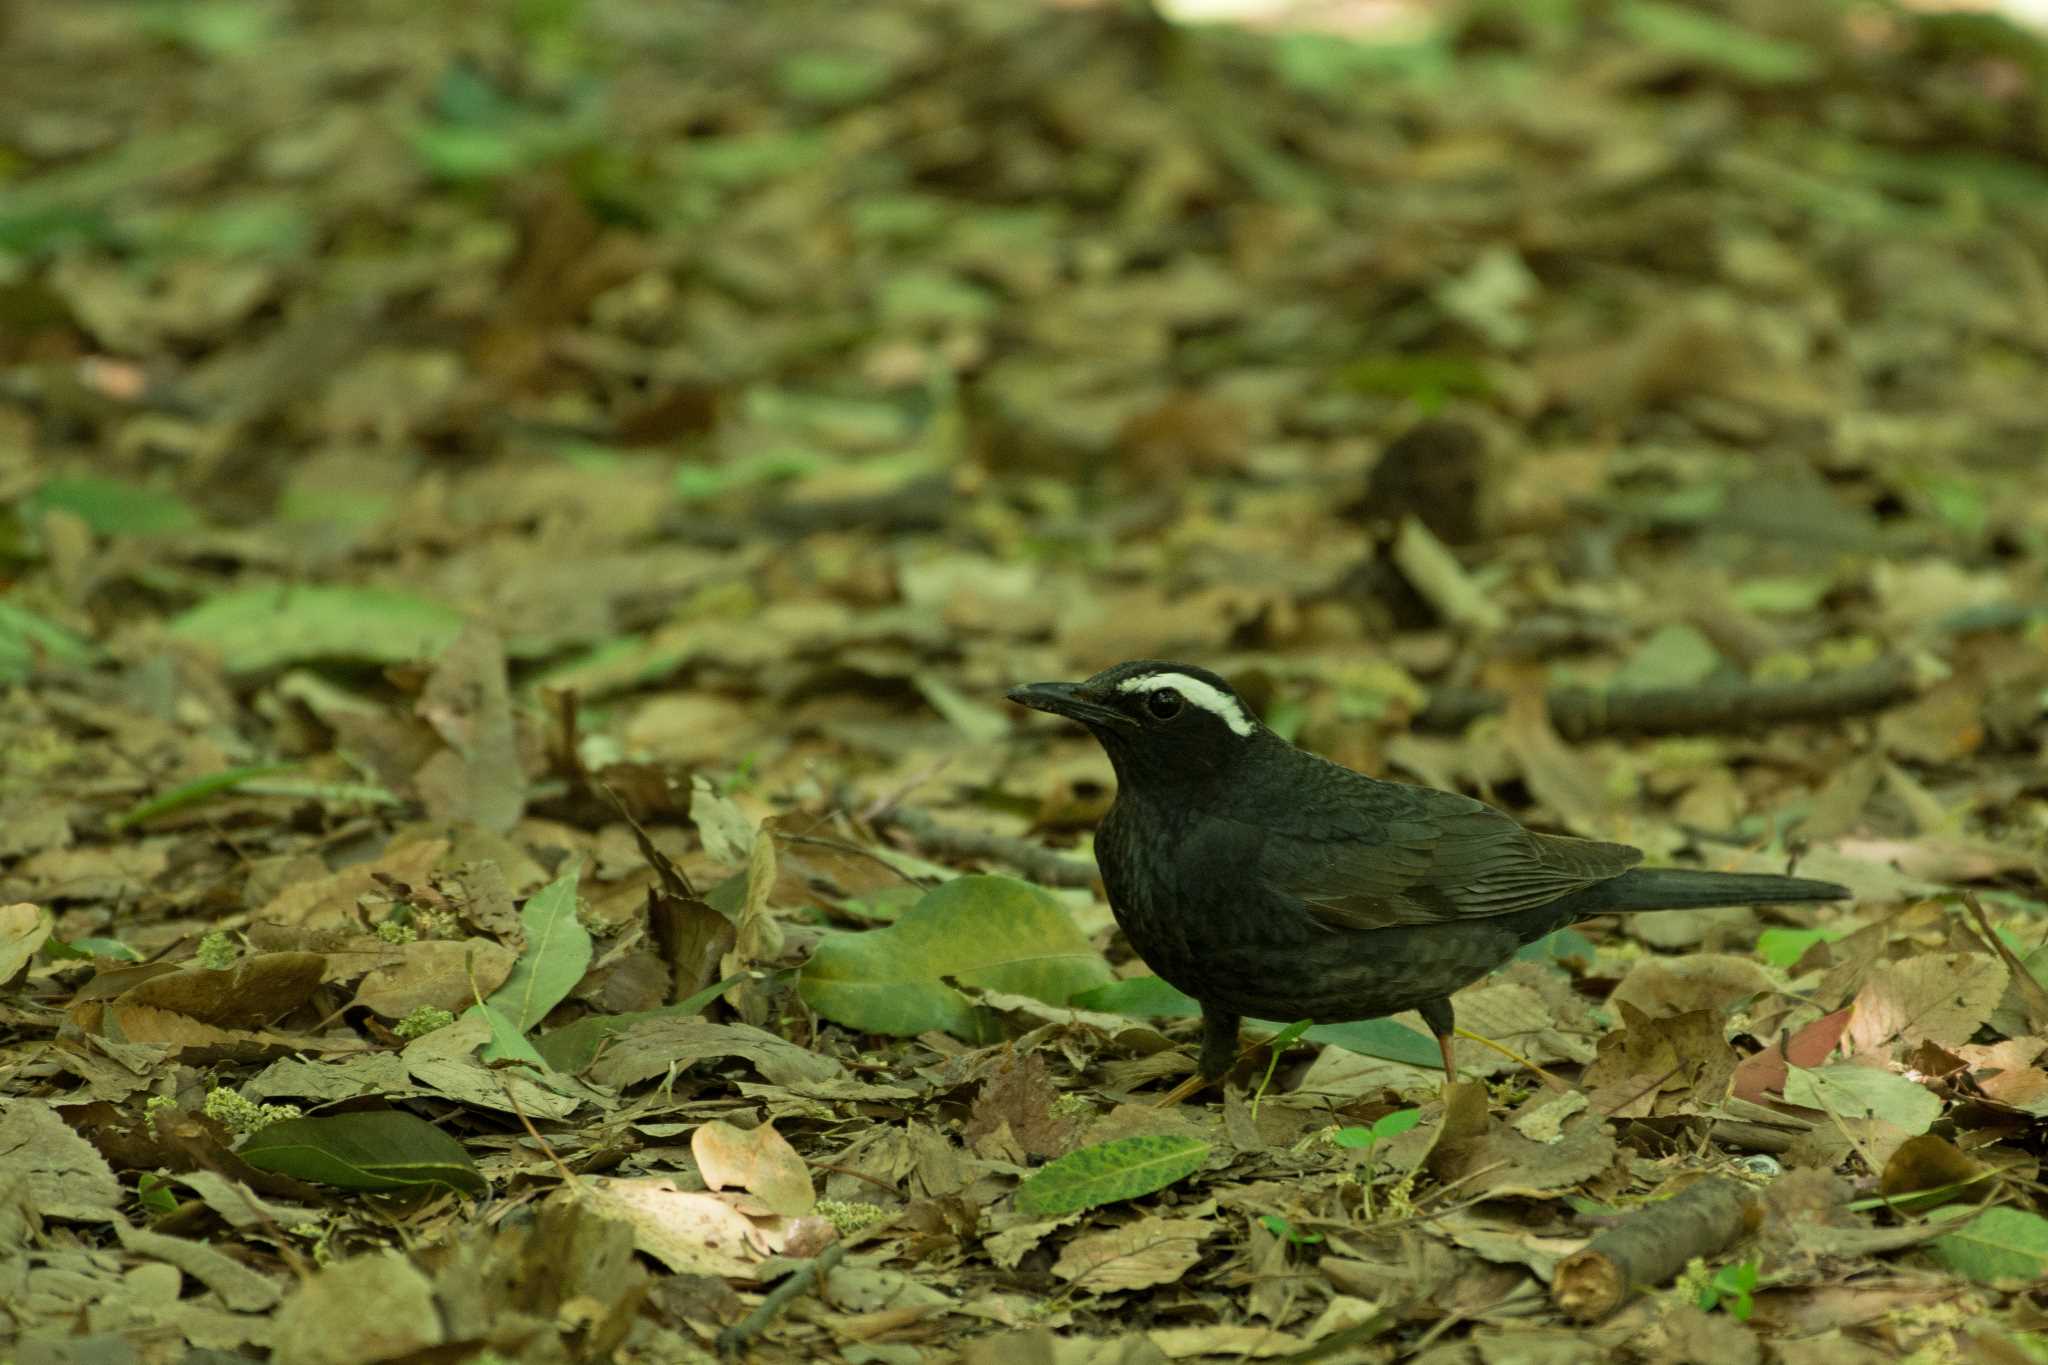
(1443, 1023)
(1437, 1014)
(1218, 1055)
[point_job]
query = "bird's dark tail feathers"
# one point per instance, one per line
(1676, 888)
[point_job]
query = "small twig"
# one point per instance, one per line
(877, 1182)
(1035, 861)
(2029, 988)
(568, 1176)
(1586, 712)
(734, 1339)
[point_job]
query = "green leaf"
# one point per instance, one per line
(259, 628)
(1566, 945)
(1141, 997)
(27, 641)
(1422, 377)
(1149, 997)
(832, 79)
(1675, 655)
(1998, 1244)
(1864, 1092)
(378, 1149)
(195, 791)
(112, 507)
(1782, 946)
(1700, 38)
(1381, 1128)
(1380, 1038)
(994, 933)
(1109, 1172)
(91, 947)
(574, 1046)
(507, 1043)
(557, 954)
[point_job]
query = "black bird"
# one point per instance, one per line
(1266, 881)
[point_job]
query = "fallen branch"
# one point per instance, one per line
(1653, 1244)
(1584, 712)
(1036, 862)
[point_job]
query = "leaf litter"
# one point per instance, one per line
(518, 534)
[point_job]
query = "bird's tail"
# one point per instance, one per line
(1676, 888)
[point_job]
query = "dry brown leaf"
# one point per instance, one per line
(478, 778)
(1700, 981)
(695, 1232)
(1661, 1064)
(757, 1160)
(1151, 1251)
(445, 973)
(1942, 997)
(255, 991)
(23, 929)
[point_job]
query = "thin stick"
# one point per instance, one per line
(734, 1339)
(1035, 861)
(1583, 712)
(1517, 1058)
(2036, 997)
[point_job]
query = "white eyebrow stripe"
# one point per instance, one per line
(1208, 696)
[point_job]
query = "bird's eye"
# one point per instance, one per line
(1163, 704)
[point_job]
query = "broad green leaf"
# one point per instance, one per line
(1675, 655)
(574, 1046)
(1998, 1244)
(91, 947)
(994, 933)
(1109, 1172)
(380, 1149)
(1380, 1038)
(1564, 945)
(1858, 1092)
(1141, 997)
(1691, 33)
(28, 641)
(557, 954)
(112, 507)
(1790, 595)
(507, 1043)
(834, 78)
(1149, 997)
(1782, 946)
(258, 628)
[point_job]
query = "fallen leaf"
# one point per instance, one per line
(1151, 1251)
(759, 1161)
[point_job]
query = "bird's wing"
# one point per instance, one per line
(1415, 855)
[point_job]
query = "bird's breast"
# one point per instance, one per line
(1186, 888)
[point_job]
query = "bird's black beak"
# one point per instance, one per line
(1067, 699)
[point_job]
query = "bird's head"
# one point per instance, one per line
(1158, 721)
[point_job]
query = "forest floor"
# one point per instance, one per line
(521, 518)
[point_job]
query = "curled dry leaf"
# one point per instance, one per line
(24, 927)
(697, 1232)
(759, 1161)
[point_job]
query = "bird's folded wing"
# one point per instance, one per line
(1438, 856)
